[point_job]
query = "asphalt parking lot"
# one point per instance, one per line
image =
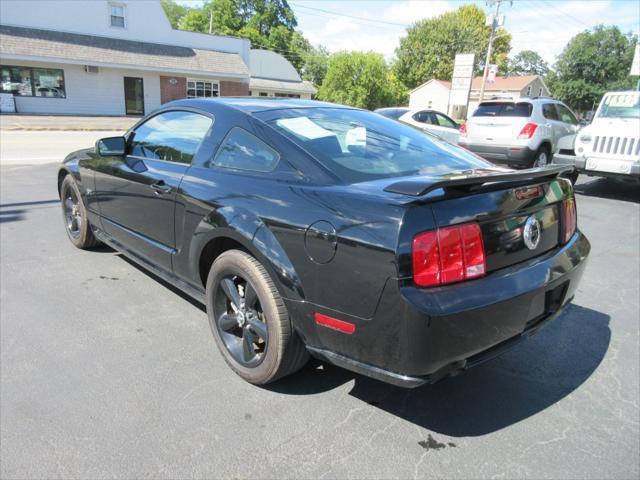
(108, 373)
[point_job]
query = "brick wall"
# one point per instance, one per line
(233, 89)
(175, 91)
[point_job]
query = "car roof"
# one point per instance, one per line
(251, 105)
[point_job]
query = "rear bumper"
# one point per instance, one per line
(511, 155)
(419, 336)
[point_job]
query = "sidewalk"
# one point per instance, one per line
(65, 122)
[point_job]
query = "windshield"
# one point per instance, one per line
(622, 105)
(503, 109)
(358, 146)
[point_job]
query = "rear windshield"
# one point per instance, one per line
(358, 145)
(503, 109)
(394, 113)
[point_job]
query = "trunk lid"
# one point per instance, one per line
(494, 131)
(498, 123)
(502, 215)
(501, 203)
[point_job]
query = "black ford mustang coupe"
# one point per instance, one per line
(313, 228)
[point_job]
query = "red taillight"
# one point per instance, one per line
(463, 129)
(527, 131)
(448, 255)
(426, 259)
(569, 219)
(473, 248)
(451, 263)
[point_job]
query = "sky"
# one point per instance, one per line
(545, 26)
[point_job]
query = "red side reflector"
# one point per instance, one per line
(447, 255)
(528, 130)
(569, 219)
(334, 323)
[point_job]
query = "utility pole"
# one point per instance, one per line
(494, 23)
(210, 22)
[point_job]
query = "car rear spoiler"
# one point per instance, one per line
(422, 186)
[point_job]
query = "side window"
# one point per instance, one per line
(422, 117)
(549, 111)
(445, 121)
(244, 151)
(565, 115)
(170, 136)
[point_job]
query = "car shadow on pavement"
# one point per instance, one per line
(533, 376)
(609, 189)
(18, 214)
(158, 279)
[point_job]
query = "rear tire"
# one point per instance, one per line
(256, 338)
(74, 215)
(542, 157)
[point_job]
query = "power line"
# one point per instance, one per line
(566, 14)
(355, 17)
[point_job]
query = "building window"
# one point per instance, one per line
(32, 82)
(264, 94)
(287, 95)
(117, 14)
(528, 91)
(540, 92)
(202, 88)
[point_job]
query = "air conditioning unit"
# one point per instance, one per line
(91, 69)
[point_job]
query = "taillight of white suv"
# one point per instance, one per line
(527, 131)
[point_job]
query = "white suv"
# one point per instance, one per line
(521, 133)
(610, 145)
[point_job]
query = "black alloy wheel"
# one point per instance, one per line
(241, 321)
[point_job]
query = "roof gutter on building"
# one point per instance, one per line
(177, 71)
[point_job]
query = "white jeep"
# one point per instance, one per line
(610, 145)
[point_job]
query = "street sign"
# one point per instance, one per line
(461, 79)
(635, 65)
(491, 73)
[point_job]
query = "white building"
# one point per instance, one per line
(434, 94)
(272, 75)
(110, 58)
(431, 95)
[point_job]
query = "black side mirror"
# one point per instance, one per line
(111, 147)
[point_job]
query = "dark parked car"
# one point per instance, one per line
(312, 228)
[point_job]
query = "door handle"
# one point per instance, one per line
(161, 188)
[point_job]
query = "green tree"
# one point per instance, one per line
(593, 62)
(527, 62)
(174, 11)
(430, 46)
(195, 21)
(314, 68)
(359, 79)
(268, 24)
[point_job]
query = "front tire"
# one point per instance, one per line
(74, 215)
(249, 320)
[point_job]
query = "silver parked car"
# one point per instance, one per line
(520, 133)
(432, 121)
